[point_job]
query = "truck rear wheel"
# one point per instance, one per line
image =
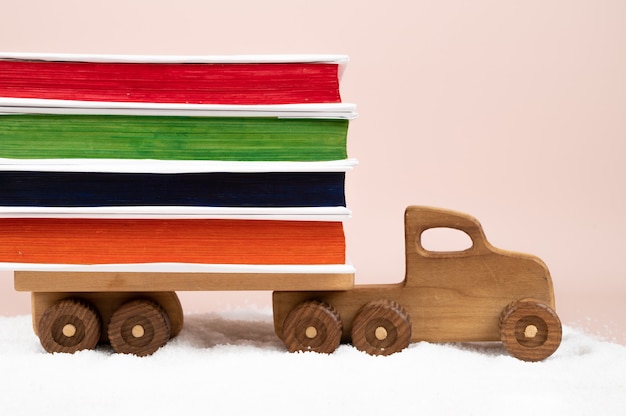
(530, 330)
(312, 326)
(69, 325)
(381, 327)
(139, 327)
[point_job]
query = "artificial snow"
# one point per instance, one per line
(232, 364)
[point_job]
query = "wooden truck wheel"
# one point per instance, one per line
(69, 325)
(530, 330)
(312, 326)
(139, 327)
(381, 327)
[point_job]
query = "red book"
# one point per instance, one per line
(200, 241)
(249, 80)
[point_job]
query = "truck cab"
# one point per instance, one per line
(478, 294)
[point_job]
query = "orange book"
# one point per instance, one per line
(204, 241)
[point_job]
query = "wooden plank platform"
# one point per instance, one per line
(53, 281)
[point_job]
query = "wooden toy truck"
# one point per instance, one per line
(478, 294)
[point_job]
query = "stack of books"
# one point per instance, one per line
(141, 161)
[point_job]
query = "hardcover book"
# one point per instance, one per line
(219, 189)
(234, 134)
(243, 79)
(38, 129)
(204, 241)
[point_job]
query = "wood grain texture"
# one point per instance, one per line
(68, 326)
(312, 326)
(530, 330)
(35, 281)
(449, 296)
(381, 327)
(139, 327)
(106, 303)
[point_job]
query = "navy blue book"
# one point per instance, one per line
(197, 189)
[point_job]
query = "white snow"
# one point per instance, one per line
(232, 363)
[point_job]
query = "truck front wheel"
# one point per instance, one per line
(530, 330)
(381, 327)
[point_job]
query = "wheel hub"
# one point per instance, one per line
(531, 331)
(310, 332)
(381, 333)
(138, 331)
(69, 330)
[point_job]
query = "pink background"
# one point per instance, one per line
(514, 112)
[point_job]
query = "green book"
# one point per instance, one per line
(52, 133)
